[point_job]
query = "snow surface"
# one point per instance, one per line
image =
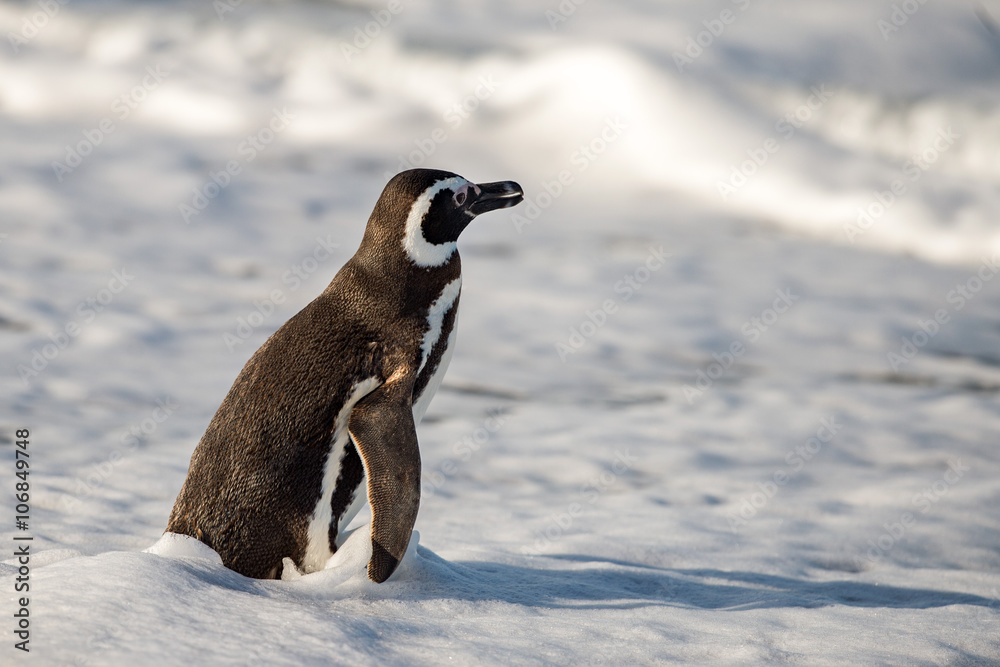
(588, 509)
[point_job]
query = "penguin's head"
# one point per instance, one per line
(431, 208)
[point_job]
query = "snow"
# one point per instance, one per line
(681, 424)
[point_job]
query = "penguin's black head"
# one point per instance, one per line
(436, 206)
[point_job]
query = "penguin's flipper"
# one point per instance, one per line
(382, 428)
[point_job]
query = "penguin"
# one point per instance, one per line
(323, 416)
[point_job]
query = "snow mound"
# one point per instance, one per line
(172, 545)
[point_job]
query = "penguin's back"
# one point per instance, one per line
(258, 470)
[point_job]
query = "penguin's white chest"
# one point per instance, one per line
(436, 316)
(422, 401)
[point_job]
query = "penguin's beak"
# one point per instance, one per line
(492, 196)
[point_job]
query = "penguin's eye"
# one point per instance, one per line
(460, 197)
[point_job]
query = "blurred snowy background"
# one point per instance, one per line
(726, 383)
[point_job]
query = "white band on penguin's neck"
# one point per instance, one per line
(420, 251)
